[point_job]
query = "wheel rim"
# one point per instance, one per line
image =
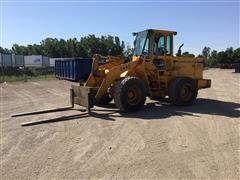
(133, 95)
(186, 93)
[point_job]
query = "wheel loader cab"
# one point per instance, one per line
(156, 45)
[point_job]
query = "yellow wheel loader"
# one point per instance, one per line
(153, 72)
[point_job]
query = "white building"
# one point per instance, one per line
(36, 61)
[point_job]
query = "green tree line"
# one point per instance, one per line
(84, 47)
(89, 45)
(214, 58)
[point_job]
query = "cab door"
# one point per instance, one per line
(162, 50)
(169, 51)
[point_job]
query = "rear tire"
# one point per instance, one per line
(129, 94)
(183, 91)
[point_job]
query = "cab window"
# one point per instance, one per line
(159, 46)
(146, 47)
(141, 44)
(168, 45)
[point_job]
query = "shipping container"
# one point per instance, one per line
(74, 69)
(36, 61)
(45, 61)
(17, 60)
(52, 61)
(13, 60)
(6, 60)
(237, 68)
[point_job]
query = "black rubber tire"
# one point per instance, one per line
(175, 88)
(120, 96)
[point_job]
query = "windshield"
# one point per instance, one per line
(139, 43)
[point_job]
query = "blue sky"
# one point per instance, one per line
(198, 23)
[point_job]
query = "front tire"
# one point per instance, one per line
(129, 94)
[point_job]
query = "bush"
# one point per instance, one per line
(26, 71)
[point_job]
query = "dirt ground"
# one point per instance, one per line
(159, 142)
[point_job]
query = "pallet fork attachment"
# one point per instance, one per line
(80, 95)
(83, 96)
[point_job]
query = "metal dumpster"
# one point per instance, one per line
(74, 69)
